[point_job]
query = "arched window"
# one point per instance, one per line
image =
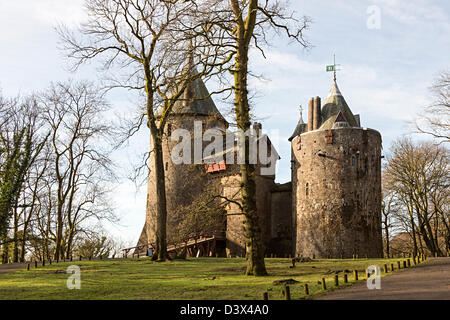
(307, 189)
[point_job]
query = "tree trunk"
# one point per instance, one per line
(161, 203)
(254, 246)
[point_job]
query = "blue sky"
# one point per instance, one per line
(385, 73)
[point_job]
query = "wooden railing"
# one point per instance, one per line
(190, 240)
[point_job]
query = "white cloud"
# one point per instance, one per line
(414, 12)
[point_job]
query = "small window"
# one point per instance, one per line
(307, 189)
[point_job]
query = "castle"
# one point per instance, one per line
(330, 209)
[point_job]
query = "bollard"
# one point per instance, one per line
(265, 296)
(345, 278)
(336, 280)
(404, 264)
(392, 267)
(324, 285)
(356, 275)
(385, 268)
(288, 293)
(306, 289)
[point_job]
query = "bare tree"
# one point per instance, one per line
(77, 191)
(245, 24)
(151, 40)
(436, 118)
(419, 174)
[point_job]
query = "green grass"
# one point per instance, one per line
(189, 279)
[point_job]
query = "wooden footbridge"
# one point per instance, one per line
(200, 244)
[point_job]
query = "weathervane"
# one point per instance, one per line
(333, 67)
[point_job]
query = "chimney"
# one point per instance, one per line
(310, 114)
(317, 114)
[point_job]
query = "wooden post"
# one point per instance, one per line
(324, 285)
(385, 268)
(336, 280)
(288, 293)
(306, 289)
(345, 278)
(356, 275)
(265, 296)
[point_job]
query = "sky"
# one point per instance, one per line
(389, 52)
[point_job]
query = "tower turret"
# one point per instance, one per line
(336, 185)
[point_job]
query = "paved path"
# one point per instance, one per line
(427, 281)
(12, 267)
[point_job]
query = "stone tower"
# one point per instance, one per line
(336, 183)
(184, 182)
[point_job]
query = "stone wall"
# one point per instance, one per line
(337, 193)
(281, 221)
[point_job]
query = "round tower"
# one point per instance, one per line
(195, 113)
(336, 181)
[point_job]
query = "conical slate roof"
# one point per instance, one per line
(196, 99)
(299, 129)
(335, 108)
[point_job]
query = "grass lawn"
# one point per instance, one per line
(194, 278)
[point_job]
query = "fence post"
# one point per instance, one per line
(324, 285)
(288, 293)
